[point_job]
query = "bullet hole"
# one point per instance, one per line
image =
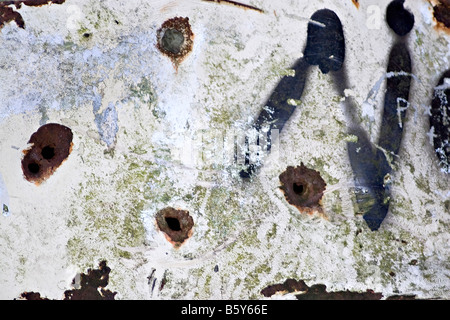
(86, 35)
(298, 188)
(48, 152)
(440, 121)
(33, 167)
(441, 13)
(399, 19)
(172, 41)
(325, 43)
(216, 268)
(175, 39)
(51, 145)
(175, 224)
(303, 188)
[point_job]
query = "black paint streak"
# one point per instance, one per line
(325, 47)
(397, 94)
(369, 164)
(371, 167)
(440, 121)
(278, 111)
(325, 44)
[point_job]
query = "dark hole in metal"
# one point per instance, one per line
(33, 167)
(48, 152)
(298, 188)
(172, 41)
(173, 223)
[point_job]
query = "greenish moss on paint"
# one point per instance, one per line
(423, 184)
(271, 234)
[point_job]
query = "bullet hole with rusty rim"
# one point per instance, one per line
(441, 13)
(51, 145)
(175, 39)
(303, 188)
(176, 225)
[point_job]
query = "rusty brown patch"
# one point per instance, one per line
(175, 39)
(289, 286)
(319, 292)
(8, 14)
(303, 188)
(441, 14)
(51, 145)
(92, 286)
(32, 296)
(356, 3)
(175, 224)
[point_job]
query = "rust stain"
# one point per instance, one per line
(356, 3)
(32, 296)
(319, 292)
(288, 286)
(303, 188)
(175, 224)
(175, 39)
(237, 4)
(51, 145)
(441, 15)
(92, 286)
(8, 14)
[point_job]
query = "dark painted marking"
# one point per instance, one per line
(396, 96)
(326, 48)
(277, 110)
(391, 133)
(325, 44)
(369, 164)
(440, 121)
(399, 19)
